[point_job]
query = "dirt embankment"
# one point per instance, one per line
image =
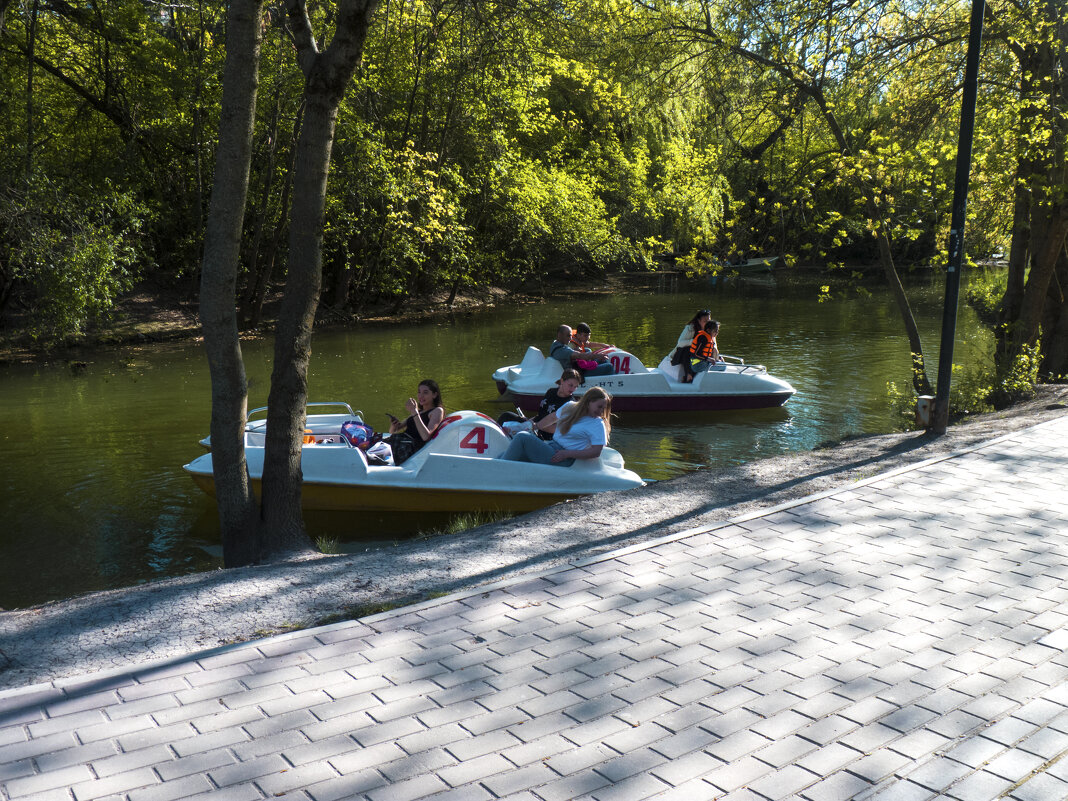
(152, 313)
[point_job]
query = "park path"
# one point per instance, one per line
(903, 638)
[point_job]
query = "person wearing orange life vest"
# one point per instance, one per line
(586, 363)
(704, 355)
(681, 356)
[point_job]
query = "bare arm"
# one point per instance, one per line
(428, 428)
(547, 423)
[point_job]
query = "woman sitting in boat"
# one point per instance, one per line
(682, 347)
(425, 413)
(704, 355)
(582, 431)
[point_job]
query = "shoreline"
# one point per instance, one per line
(124, 628)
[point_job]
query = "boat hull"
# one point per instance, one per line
(636, 388)
(347, 498)
(676, 402)
(457, 470)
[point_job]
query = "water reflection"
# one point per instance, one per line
(92, 494)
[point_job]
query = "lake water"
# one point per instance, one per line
(94, 497)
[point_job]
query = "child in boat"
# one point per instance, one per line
(582, 431)
(580, 340)
(682, 347)
(586, 363)
(555, 398)
(704, 355)
(544, 422)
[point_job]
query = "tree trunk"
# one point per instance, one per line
(292, 343)
(1048, 240)
(920, 382)
(1019, 258)
(327, 77)
(1044, 91)
(218, 316)
(1055, 335)
(31, 46)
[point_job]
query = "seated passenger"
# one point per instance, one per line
(586, 363)
(704, 355)
(556, 397)
(543, 423)
(425, 413)
(580, 339)
(581, 433)
(681, 356)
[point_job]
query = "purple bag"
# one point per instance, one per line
(357, 434)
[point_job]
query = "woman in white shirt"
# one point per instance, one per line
(582, 430)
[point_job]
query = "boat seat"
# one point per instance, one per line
(468, 433)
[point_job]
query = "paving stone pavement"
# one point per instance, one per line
(900, 639)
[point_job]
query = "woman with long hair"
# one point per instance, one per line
(682, 347)
(582, 430)
(425, 413)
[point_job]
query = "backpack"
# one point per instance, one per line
(358, 434)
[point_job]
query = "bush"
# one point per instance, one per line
(69, 259)
(973, 391)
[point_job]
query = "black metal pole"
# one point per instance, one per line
(956, 227)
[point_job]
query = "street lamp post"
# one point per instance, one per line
(940, 416)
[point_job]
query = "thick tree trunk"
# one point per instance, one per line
(1048, 240)
(1019, 258)
(1055, 333)
(292, 344)
(218, 277)
(327, 78)
(1043, 222)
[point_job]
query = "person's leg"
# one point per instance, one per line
(525, 447)
(601, 369)
(698, 365)
(687, 369)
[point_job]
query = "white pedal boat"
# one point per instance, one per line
(456, 471)
(636, 388)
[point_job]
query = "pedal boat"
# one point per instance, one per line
(456, 471)
(637, 388)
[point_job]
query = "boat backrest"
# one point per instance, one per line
(624, 362)
(549, 370)
(468, 433)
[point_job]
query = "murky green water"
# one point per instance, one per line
(92, 494)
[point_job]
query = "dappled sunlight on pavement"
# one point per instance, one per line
(900, 638)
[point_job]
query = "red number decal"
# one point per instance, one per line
(475, 440)
(621, 366)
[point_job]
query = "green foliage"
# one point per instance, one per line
(1018, 381)
(327, 545)
(496, 143)
(975, 390)
(73, 257)
(985, 290)
(473, 520)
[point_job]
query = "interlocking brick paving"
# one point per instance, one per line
(901, 638)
